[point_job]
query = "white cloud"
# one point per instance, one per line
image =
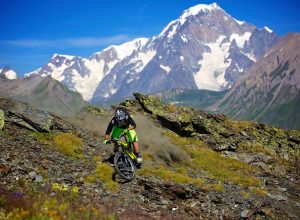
(69, 42)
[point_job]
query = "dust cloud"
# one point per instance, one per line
(151, 137)
(154, 141)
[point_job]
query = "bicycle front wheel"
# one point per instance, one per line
(124, 166)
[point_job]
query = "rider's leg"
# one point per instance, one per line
(136, 149)
(134, 140)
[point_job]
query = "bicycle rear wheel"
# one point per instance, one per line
(124, 166)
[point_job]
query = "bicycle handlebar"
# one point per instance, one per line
(116, 139)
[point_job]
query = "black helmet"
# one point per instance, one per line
(120, 114)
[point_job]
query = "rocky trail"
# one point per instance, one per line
(196, 166)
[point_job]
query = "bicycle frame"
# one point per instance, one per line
(125, 146)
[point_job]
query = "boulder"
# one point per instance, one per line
(182, 120)
(26, 116)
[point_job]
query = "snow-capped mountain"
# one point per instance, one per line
(205, 48)
(83, 75)
(269, 92)
(8, 73)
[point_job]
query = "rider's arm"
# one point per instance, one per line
(109, 129)
(132, 124)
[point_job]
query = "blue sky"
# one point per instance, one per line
(33, 30)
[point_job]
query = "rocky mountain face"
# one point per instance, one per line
(269, 91)
(205, 48)
(196, 165)
(197, 98)
(8, 73)
(44, 93)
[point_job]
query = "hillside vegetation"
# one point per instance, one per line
(196, 165)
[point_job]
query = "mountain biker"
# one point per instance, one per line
(123, 123)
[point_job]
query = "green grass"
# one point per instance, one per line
(215, 165)
(4, 134)
(105, 173)
(42, 137)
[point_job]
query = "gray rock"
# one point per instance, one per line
(32, 175)
(239, 201)
(244, 214)
(244, 133)
(282, 189)
(246, 158)
(21, 123)
(279, 197)
(225, 147)
(264, 167)
(38, 178)
(26, 116)
(279, 170)
(261, 157)
(194, 203)
(164, 202)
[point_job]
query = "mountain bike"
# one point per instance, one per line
(124, 159)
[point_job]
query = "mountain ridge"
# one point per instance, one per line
(184, 49)
(269, 92)
(45, 93)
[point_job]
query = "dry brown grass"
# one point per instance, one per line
(166, 174)
(259, 191)
(90, 179)
(97, 158)
(172, 108)
(46, 207)
(105, 173)
(147, 156)
(238, 126)
(255, 148)
(69, 144)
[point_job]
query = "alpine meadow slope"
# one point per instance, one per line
(196, 166)
(205, 48)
